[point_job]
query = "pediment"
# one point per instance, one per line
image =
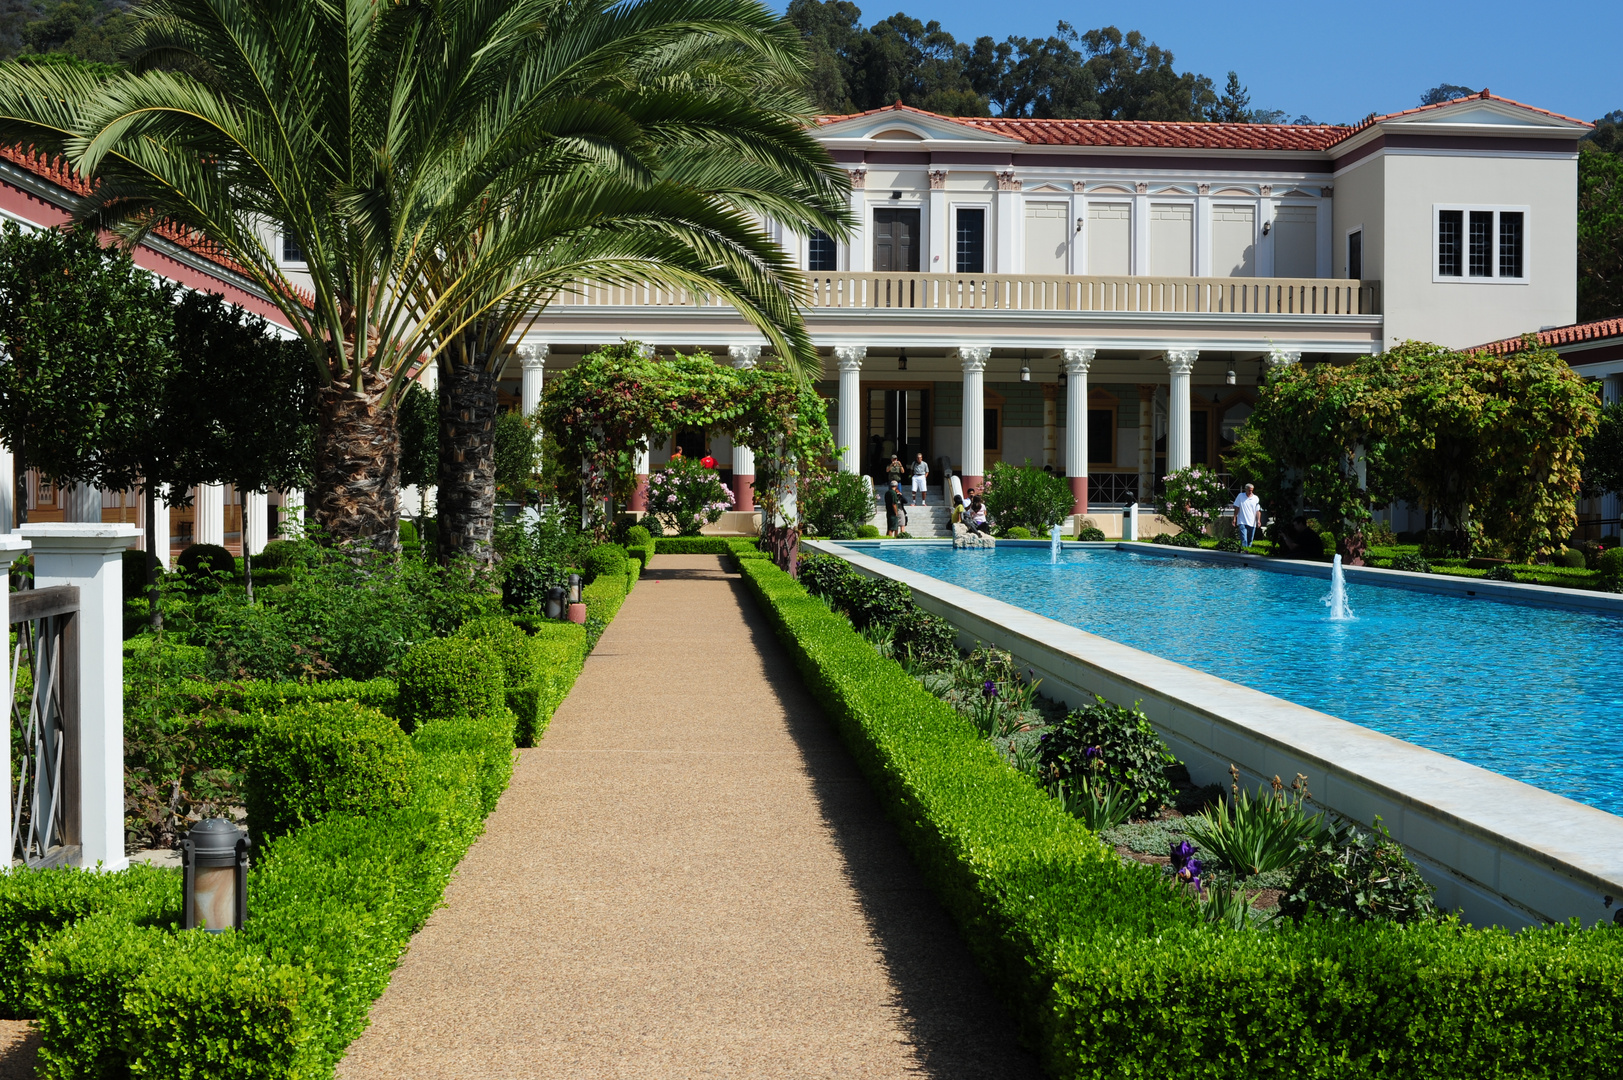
(1491, 113)
(907, 125)
(1048, 189)
(1235, 191)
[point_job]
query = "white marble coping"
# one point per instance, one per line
(48, 536)
(1504, 851)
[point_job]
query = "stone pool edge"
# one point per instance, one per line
(1503, 851)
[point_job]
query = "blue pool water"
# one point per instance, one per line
(1529, 692)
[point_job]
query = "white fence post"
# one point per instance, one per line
(11, 547)
(91, 557)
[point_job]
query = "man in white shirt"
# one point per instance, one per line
(921, 477)
(1247, 515)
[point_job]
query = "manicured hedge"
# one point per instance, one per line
(449, 677)
(692, 545)
(1111, 973)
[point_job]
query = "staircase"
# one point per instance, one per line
(922, 521)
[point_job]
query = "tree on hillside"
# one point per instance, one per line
(375, 136)
(1234, 107)
(1600, 222)
(83, 29)
(1445, 92)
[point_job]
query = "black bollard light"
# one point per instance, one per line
(215, 855)
(555, 602)
(574, 588)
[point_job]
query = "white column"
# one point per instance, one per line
(8, 494)
(857, 246)
(973, 462)
(1007, 209)
(1180, 362)
(1283, 358)
(744, 358)
(1077, 362)
(91, 556)
(209, 511)
(532, 359)
(11, 547)
(943, 260)
(849, 437)
(256, 527)
(160, 527)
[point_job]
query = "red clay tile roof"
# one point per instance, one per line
(1179, 136)
(1560, 335)
(58, 173)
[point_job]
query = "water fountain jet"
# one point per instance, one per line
(1337, 600)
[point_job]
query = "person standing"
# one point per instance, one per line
(895, 472)
(895, 508)
(921, 478)
(1247, 514)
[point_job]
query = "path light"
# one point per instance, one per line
(574, 588)
(555, 602)
(215, 855)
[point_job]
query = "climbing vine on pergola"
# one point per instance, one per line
(618, 399)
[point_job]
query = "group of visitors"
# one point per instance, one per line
(895, 502)
(972, 515)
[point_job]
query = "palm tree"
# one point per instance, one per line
(375, 136)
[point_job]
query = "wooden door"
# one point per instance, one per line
(896, 241)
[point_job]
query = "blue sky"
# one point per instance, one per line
(1337, 62)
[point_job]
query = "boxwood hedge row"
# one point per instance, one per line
(1109, 972)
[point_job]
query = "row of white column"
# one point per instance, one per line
(972, 458)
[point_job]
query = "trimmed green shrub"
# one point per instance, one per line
(408, 532)
(1090, 533)
(1347, 873)
(867, 532)
(693, 545)
(1412, 562)
(308, 761)
(279, 554)
(1017, 532)
(1106, 742)
(1229, 544)
(1500, 573)
(1113, 972)
(448, 677)
(1571, 558)
(926, 638)
(604, 560)
(203, 559)
(510, 644)
(488, 739)
(1610, 565)
(637, 536)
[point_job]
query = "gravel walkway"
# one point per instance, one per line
(689, 878)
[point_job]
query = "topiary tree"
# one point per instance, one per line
(1027, 497)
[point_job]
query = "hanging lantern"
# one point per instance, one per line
(215, 856)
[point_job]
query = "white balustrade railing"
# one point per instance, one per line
(1030, 292)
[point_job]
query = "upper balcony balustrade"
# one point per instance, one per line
(1033, 292)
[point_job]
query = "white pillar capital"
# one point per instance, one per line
(1077, 361)
(1182, 361)
(1283, 358)
(744, 356)
(533, 357)
(974, 357)
(850, 357)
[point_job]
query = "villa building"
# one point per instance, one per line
(1102, 297)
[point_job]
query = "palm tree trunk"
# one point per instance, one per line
(467, 465)
(357, 474)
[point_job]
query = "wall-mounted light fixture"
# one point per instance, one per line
(901, 360)
(896, 195)
(1266, 225)
(1078, 224)
(1064, 376)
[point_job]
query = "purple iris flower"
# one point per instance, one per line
(989, 689)
(1092, 752)
(1185, 867)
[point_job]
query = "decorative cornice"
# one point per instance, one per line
(1182, 361)
(1077, 360)
(1326, 192)
(850, 357)
(1078, 186)
(974, 357)
(532, 356)
(1203, 189)
(1284, 358)
(744, 356)
(938, 179)
(859, 179)
(1142, 187)
(1007, 181)
(1267, 190)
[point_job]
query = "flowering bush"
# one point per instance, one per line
(685, 497)
(1196, 497)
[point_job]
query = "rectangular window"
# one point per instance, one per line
(991, 430)
(1102, 436)
(291, 252)
(1510, 244)
(1481, 243)
(1450, 224)
(1481, 250)
(1355, 254)
(971, 241)
(822, 253)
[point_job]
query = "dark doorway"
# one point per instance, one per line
(896, 241)
(897, 424)
(692, 443)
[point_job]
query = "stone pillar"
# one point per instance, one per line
(744, 358)
(1180, 363)
(11, 548)
(8, 495)
(255, 522)
(81, 503)
(849, 436)
(160, 526)
(1077, 362)
(91, 556)
(973, 465)
(209, 514)
(639, 490)
(532, 361)
(1050, 425)
(942, 255)
(1146, 443)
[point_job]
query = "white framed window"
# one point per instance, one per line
(291, 252)
(1481, 244)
